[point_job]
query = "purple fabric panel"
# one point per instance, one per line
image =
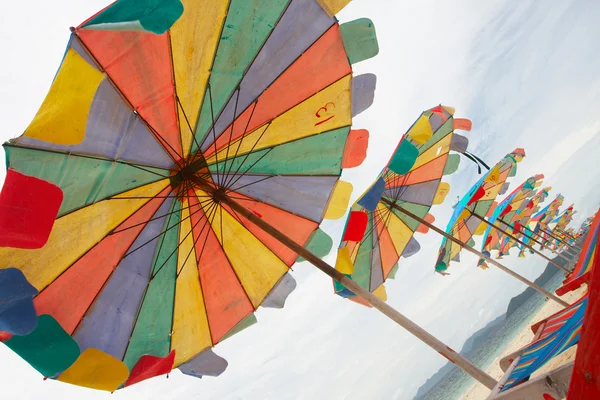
(459, 143)
(456, 257)
(306, 196)
(112, 131)
(376, 266)
(109, 322)
(412, 248)
(420, 193)
(363, 92)
(472, 223)
(435, 121)
(503, 189)
(300, 26)
(205, 363)
(280, 292)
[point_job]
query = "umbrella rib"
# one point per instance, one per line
(255, 103)
(229, 143)
(229, 183)
(212, 113)
(114, 84)
(162, 233)
(187, 121)
(150, 220)
(240, 176)
(172, 62)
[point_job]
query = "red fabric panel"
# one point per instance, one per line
(488, 240)
(355, 151)
(28, 208)
(140, 65)
(506, 211)
(389, 256)
(4, 336)
(150, 366)
(478, 195)
(427, 172)
(423, 228)
(296, 227)
(225, 300)
(357, 226)
(462, 124)
(70, 295)
(573, 285)
(324, 63)
(585, 381)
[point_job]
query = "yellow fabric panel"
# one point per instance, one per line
(381, 293)
(191, 333)
(194, 46)
(332, 7)
(333, 105)
(421, 130)
(62, 118)
(96, 370)
(492, 193)
(343, 263)
(449, 110)
(441, 148)
(442, 192)
(399, 232)
(257, 268)
(74, 234)
(481, 229)
(493, 175)
(339, 200)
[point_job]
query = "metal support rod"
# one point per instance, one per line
(533, 239)
(390, 312)
(479, 254)
(493, 225)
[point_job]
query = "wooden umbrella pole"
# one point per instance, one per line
(520, 242)
(541, 238)
(479, 254)
(400, 319)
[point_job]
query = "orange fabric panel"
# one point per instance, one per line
(295, 227)
(462, 124)
(389, 257)
(140, 65)
(423, 228)
(225, 300)
(428, 172)
(463, 233)
(70, 295)
(322, 64)
(355, 151)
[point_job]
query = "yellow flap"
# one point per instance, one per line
(421, 131)
(96, 370)
(343, 263)
(339, 200)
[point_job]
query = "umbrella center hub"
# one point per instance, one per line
(188, 173)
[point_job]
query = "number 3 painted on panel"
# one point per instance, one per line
(324, 109)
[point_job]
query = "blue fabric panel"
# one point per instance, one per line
(371, 198)
(17, 313)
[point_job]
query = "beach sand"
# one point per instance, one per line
(480, 392)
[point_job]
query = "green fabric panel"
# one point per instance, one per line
(360, 40)
(48, 348)
(471, 242)
(243, 324)
(509, 217)
(513, 171)
(315, 155)
(438, 135)
(151, 334)
(417, 209)
(393, 272)
(156, 16)
(404, 158)
(362, 264)
(482, 207)
(452, 164)
(338, 287)
(83, 180)
(248, 25)
(319, 243)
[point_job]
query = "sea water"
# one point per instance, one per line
(456, 383)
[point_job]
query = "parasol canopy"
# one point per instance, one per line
(121, 266)
(376, 235)
(479, 200)
(507, 211)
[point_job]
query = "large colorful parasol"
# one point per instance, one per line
(538, 224)
(521, 220)
(376, 234)
(477, 203)
(507, 211)
(112, 216)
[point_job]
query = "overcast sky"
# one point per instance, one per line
(525, 73)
